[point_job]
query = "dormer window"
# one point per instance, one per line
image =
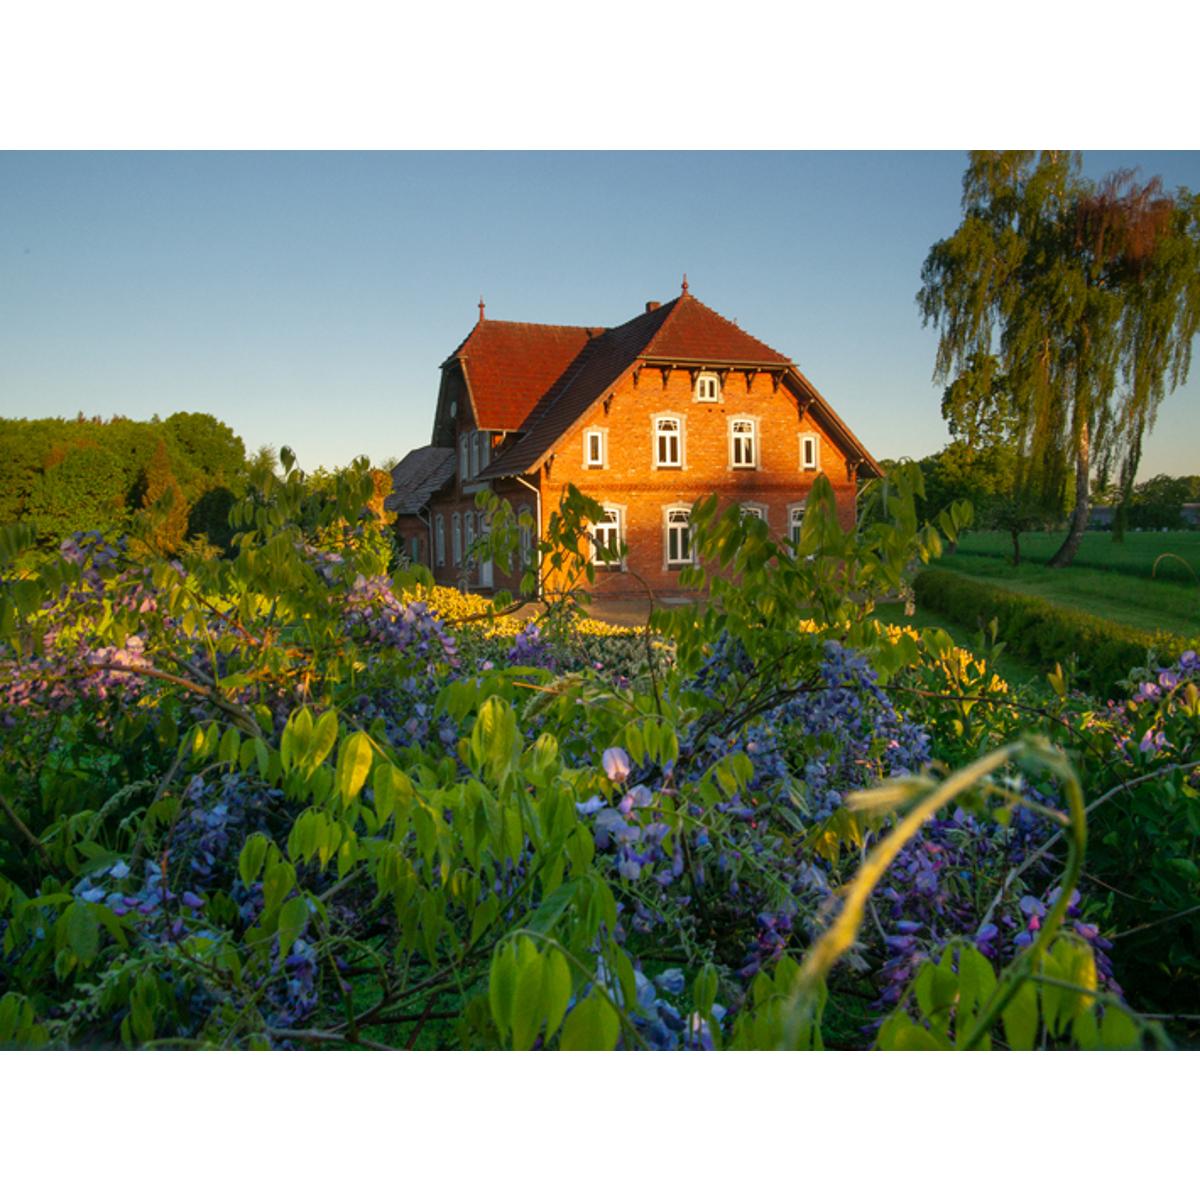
(708, 388)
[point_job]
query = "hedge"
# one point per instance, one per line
(1043, 633)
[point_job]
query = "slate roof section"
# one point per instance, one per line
(417, 476)
(511, 365)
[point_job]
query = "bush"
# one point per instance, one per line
(1044, 633)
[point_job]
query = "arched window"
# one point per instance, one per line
(754, 510)
(743, 442)
(795, 521)
(668, 442)
(677, 532)
(607, 537)
(708, 388)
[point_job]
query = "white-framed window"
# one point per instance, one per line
(526, 536)
(677, 536)
(810, 452)
(439, 539)
(743, 443)
(464, 456)
(754, 510)
(708, 388)
(482, 449)
(668, 441)
(468, 533)
(595, 447)
(457, 535)
(795, 520)
(474, 455)
(608, 534)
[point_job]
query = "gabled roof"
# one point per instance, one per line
(510, 365)
(417, 476)
(697, 334)
(538, 380)
(602, 363)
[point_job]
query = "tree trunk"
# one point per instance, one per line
(1065, 554)
(1016, 541)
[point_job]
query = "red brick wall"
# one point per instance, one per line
(631, 480)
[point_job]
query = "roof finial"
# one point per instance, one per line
(685, 288)
(481, 317)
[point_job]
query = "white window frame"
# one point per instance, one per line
(439, 539)
(707, 381)
(601, 435)
(457, 538)
(464, 456)
(617, 512)
(752, 508)
(808, 440)
(680, 441)
(474, 444)
(483, 439)
(735, 436)
(672, 524)
(795, 520)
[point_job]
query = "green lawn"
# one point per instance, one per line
(1136, 555)
(1142, 603)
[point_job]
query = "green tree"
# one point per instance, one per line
(81, 488)
(164, 505)
(1085, 296)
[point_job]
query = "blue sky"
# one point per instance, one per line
(307, 299)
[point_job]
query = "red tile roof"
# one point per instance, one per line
(538, 380)
(511, 365)
(600, 365)
(695, 333)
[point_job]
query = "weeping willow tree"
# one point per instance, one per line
(1085, 298)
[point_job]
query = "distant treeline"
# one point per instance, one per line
(67, 475)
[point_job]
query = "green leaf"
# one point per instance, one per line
(913, 1037)
(292, 919)
(1021, 1017)
(82, 931)
(590, 1025)
(502, 986)
(325, 735)
(250, 860)
(1118, 1031)
(557, 990)
(354, 764)
(528, 999)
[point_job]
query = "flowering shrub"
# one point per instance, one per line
(286, 799)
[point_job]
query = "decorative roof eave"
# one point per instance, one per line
(839, 427)
(734, 364)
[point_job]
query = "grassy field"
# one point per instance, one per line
(1136, 555)
(1143, 603)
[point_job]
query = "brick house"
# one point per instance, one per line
(645, 417)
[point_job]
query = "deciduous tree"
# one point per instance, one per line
(1085, 296)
